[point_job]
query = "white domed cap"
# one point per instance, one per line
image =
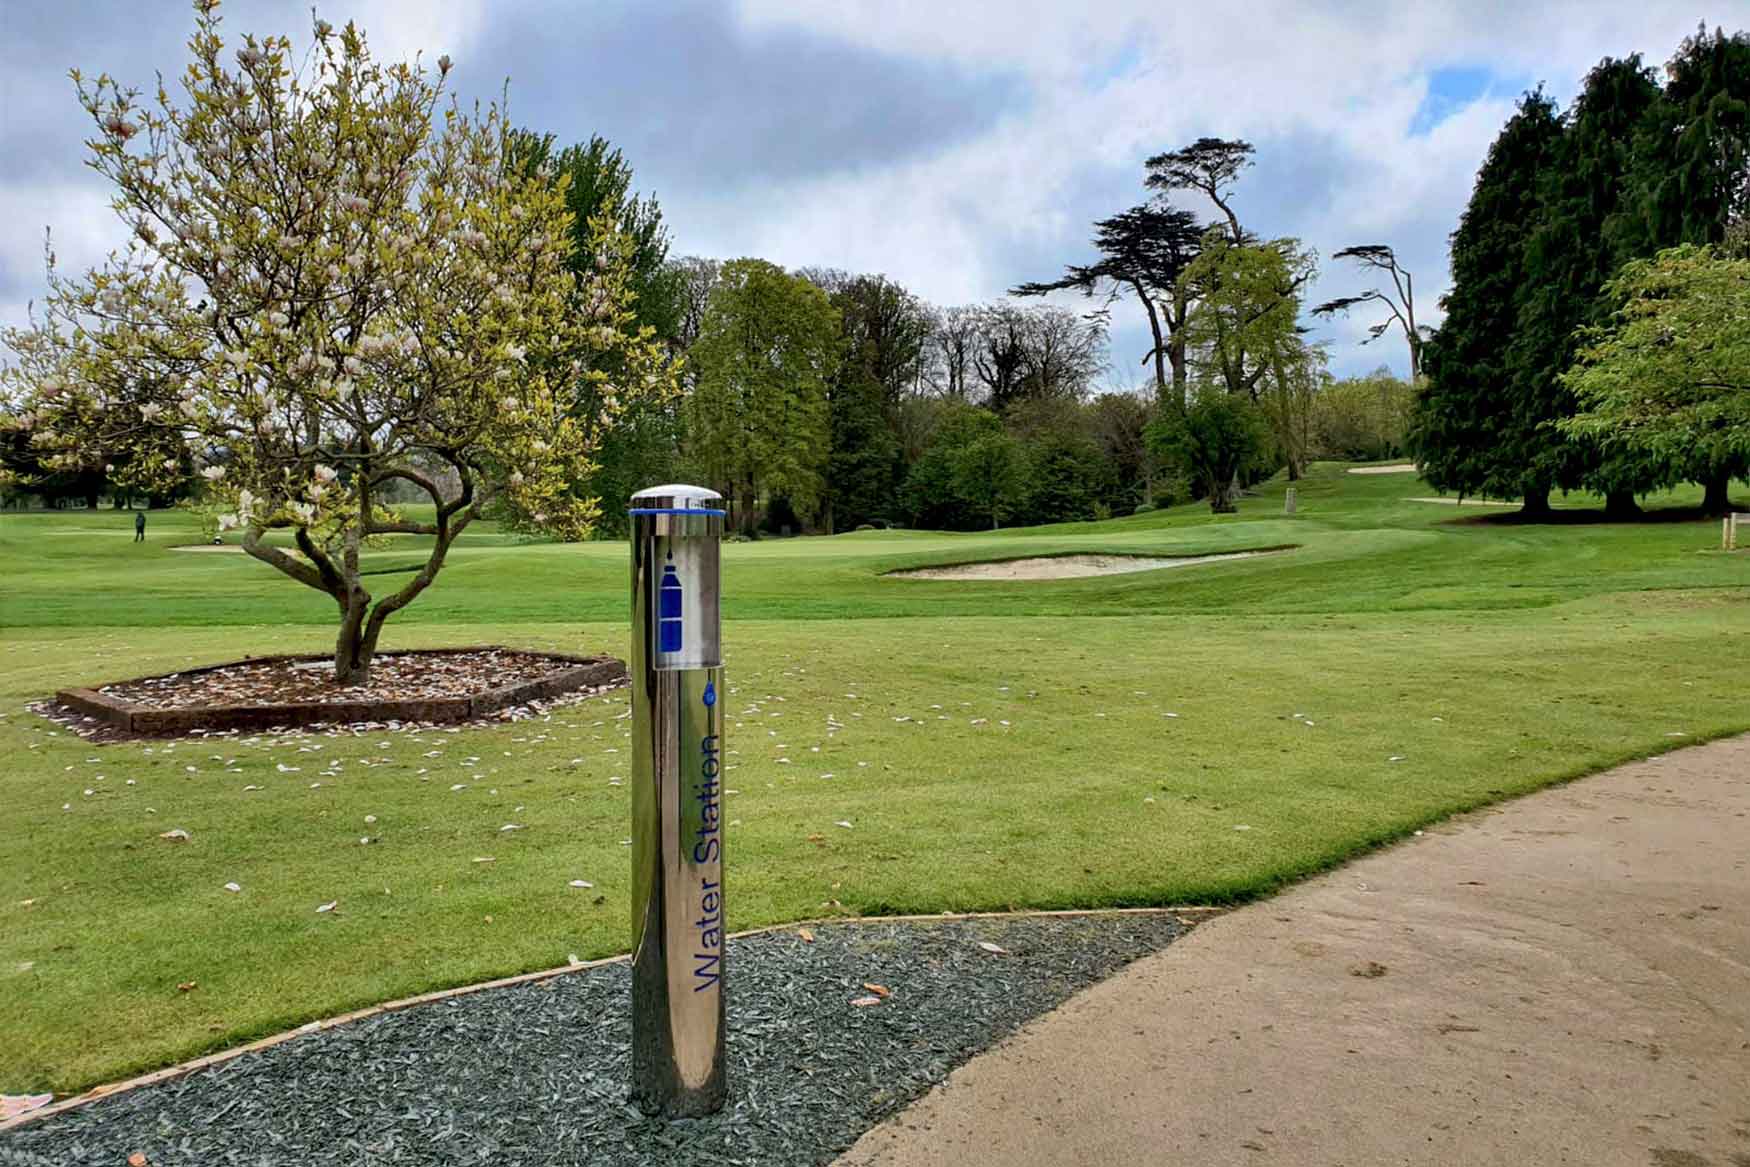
(678, 497)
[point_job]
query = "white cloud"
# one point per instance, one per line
(84, 229)
(1334, 88)
(1328, 92)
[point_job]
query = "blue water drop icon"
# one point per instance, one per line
(710, 693)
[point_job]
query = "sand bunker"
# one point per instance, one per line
(1395, 468)
(1467, 502)
(1072, 566)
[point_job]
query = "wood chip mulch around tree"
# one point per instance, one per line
(410, 677)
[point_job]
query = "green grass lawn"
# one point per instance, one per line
(1191, 734)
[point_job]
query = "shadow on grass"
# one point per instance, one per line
(1584, 516)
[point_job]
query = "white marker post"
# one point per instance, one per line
(677, 803)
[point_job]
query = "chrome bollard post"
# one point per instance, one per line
(677, 803)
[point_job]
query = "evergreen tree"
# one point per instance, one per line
(1145, 250)
(1694, 163)
(645, 447)
(1693, 171)
(1584, 193)
(1466, 430)
(1067, 475)
(884, 331)
(863, 472)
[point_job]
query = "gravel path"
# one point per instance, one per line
(536, 1073)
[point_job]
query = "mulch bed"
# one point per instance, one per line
(292, 681)
(536, 1073)
(418, 687)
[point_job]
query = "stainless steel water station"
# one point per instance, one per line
(677, 803)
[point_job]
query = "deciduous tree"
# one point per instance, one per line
(334, 283)
(1219, 437)
(1668, 377)
(1248, 308)
(990, 474)
(759, 419)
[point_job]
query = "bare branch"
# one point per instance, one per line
(304, 573)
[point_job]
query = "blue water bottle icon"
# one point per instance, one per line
(668, 624)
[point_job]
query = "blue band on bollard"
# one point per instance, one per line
(674, 511)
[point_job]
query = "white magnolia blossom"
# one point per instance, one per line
(424, 277)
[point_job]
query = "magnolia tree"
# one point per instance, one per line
(333, 283)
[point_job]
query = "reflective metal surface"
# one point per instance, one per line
(677, 840)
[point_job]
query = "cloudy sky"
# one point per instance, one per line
(959, 146)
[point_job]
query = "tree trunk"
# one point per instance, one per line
(352, 656)
(1536, 503)
(1221, 495)
(1717, 496)
(1621, 504)
(1160, 350)
(1293, 470)
(750, 509)
(91, 501)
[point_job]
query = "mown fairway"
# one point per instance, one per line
(1183, 735)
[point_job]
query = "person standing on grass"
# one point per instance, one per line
(139, 526)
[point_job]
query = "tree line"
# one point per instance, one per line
(1595, 330)
(822, 400)
(817, 399)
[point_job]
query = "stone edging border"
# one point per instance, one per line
(577, 672)
(1190, 916)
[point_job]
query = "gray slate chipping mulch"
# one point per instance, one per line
(536, 1073)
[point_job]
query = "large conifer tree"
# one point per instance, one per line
(1692, 166)
(1578, 243)
(1466, 430)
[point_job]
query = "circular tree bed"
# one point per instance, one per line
(432, 685)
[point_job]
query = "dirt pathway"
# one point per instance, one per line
(1564, 979)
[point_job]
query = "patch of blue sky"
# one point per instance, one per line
(1452, 88)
